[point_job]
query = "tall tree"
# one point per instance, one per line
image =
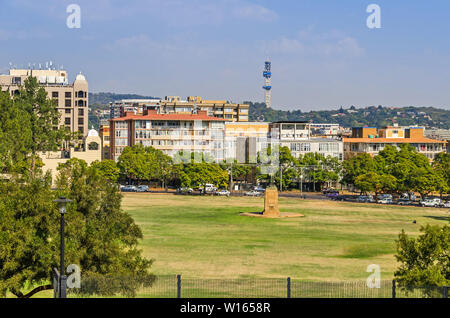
(41, 120)
(424, 261)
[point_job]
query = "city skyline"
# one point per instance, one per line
(323, 54)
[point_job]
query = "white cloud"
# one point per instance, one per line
(308, 42)
(255, 12)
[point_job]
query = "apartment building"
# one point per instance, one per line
(71, 99)
(243, 140)
(171, 133)
(104, 134)
(298, 138)
(372, 140)
(439, 134)
(175, 105)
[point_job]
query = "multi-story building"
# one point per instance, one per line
(71, 99)
(298, 138)
(439, 134)
(372, 140)
(105, 137)
(171, 133)
(175, 105)
(243, 140)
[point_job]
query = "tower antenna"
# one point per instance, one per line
(267, 74)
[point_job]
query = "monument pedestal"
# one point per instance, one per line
(271, 203)
(271, 207)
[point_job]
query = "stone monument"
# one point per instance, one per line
(271, 203)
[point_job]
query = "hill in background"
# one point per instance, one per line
(376, 116)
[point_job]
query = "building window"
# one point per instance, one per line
(68, 103)
(80, 121)
(81, 130)
(67, 120)
(55, 94)
(80, 112)
(68, 94)
(67, 110)
(93, 146)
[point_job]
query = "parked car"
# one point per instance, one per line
(129, 188)
(404, 201)
(185, 190)
(366, 199)
(343, 198)
(431, 202)
(410, 196)
(385, 201)
(208, 188)
(332, 194)
(223, 193)
(142, 188)
(259, 189)
(445, 204)
(384, 196)
(328, 190)
(252, 193)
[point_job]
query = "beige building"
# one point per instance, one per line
(372, 140)
(105, 137)
(71, 99)
(175, 105)
(89, 151)
(170, 133)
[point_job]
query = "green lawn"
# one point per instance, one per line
(205, 237)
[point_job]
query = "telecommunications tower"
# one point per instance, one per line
(267, 74)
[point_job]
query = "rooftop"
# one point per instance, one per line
(394, 140)
(155, 116)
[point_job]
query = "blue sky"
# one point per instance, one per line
(323, 55)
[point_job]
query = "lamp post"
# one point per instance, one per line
(62, 201)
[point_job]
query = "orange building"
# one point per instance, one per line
(372, 141)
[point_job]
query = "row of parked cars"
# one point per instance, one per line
(406, 200)
(132, 188)
(210, 189)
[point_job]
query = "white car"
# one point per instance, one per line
(385, 201)
(253, 193)
(223, 193)
(431, 202)
(446, 204)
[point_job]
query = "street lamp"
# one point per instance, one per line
(62, 201)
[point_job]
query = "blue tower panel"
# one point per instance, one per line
(267, 74)
(267, 88)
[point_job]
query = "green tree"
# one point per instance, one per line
(424, 261)
(100, 237)
(108, 169)
(356, 166)
(374, 182)
(14, 133)
(198, 174)
(145, 163)
(40, 120)
(441, 166)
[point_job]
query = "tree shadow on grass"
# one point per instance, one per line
(439, 218)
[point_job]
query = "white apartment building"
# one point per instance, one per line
(298, 138)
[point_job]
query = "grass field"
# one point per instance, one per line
(205, 237)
